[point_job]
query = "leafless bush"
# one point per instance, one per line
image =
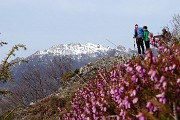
(176, 26)
(37, 82)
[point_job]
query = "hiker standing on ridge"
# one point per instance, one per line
(146, 37)
(139, 34)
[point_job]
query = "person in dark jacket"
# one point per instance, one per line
(139, 34)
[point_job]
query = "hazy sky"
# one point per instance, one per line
(40, 24)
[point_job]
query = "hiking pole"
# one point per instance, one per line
(134, 43)
(112, 43)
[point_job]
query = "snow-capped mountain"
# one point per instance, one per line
(74, 49)
(80, 54)
(45, 68)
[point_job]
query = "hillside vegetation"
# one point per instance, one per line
(131, 89)
(137, 89)
(47, 108)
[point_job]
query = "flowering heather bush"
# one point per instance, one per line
(138, 89)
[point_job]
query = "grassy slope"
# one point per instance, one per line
(47, 108)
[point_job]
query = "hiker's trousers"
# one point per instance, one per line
(147, 44)
(140, 45)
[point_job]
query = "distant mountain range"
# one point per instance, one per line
(77, 49)
(80, 55)
(43, 72)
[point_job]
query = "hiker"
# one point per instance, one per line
(146, 37)
(138, 34)
(166, 34)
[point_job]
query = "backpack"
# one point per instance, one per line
(140, 32)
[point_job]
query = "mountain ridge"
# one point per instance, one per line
(77, 48)
(47, 67)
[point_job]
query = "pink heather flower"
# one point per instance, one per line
(160, 95)
(162, 100)
(114, 75)
(115, 90)
(137, 88)
(126, 83)
(134, 78)
(135, 100)
(98, 103)
(127, 105)
(148, 54)
(133, 93)
(149, 104)
(155, 109)
(94, 109)
(87, 104)
(157, 86)
(178, 108)
(168, 51)
(118, 97)
(140, 116)
(120, 105)
(154, 59)
(170, 67)
(122, 89)
(88, 118)
(68, 114)
(130, 69)
(138, 68)
(165, 49)
(144, 71)
(93, 101)
(104, 109)
(162, 79)
(83, 115)
(178, 80)
(119, 100)
(122, 113)
(102, 118)
(164, 60)
(87, 110)
(126, 65)
(95, 117)
(73, 118)
(105, 102)
(117, 118)
(164, 84)
(166, 69)
(152, 73)
(174, 66)
(102, 95)
(114, 79)
(112, 92)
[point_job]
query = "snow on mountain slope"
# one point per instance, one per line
(74, 49)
